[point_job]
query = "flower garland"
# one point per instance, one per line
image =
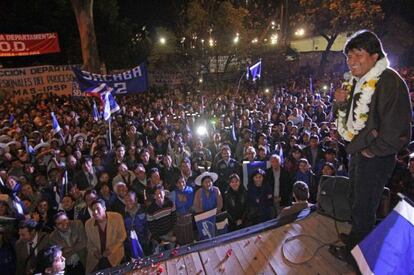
(349, 127)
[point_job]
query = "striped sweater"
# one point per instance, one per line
(161, 220)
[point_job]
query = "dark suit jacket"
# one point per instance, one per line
(26, 262)
(82, 181)
(77, 239)
(308, 155)
(286, 185)
(388, 128)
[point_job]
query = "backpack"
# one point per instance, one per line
(334, 198)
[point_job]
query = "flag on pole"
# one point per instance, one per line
(389, 248)
(233, 134)
(29, 149)
(254, 71)
(311, 85)
(95, 112)
(103, 93)
(136, 248)
(11, 119)
(55, 124)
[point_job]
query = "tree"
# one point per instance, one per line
(84, 16)
(329, 18)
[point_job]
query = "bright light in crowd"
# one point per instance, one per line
(201, 131)
(267, 90)
(200, 80)
(254, 41)
(325, 87)
(300, 32)
(162, 40)
(211, 42)
(236, 40)
(273, 39)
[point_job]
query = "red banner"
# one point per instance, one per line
(28, 44)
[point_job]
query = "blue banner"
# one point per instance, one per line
(128, 82)
(206, 224)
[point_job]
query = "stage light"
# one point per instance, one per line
(163, 40)
(236, 40)
(273, 39)
(201, 131)
(200, 80)
(211, 42)
(254, 41)
(300, 32)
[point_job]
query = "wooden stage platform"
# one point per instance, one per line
(262, 253)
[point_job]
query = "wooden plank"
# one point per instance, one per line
(238, 253)
(255, 256)
(210, 260)
(193, 264)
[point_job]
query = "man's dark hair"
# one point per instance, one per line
(29, 224)
(365, 40)
(58, 215)
(301, 190)
(100, 201)
(46, 257)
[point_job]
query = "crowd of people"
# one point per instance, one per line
(73, 189)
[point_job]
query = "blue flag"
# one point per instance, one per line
(233, 134)
(55, 123)
(11, 119)
(206, 224)
(95, 112)
(311, 85)
(254, 71)
(104, 93)
(389, 248)
(29, 149)
(136, 248)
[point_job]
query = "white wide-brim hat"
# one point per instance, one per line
(199, 179)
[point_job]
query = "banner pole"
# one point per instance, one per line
(110, 134)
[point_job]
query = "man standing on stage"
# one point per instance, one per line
(374, 116)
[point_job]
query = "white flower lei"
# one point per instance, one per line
(348, 127)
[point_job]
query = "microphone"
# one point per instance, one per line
(347, 78)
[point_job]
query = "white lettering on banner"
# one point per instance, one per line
(137, 71)
(127, 75)
(117, 77)
(120, 88)
(15, 46)
(23, 83)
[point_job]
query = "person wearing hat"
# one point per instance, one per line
(259, 199)
(208, 196)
